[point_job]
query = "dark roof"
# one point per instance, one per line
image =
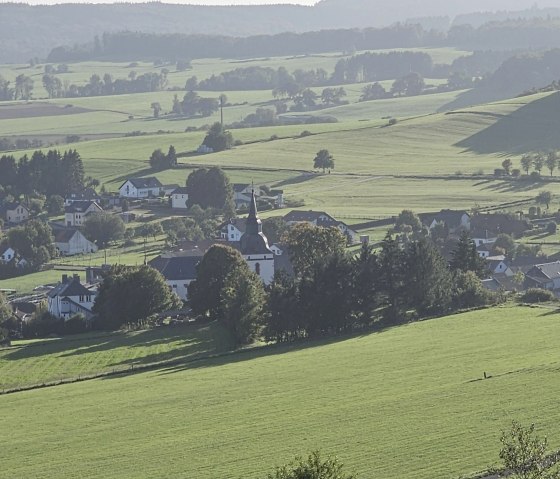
(546, 271)
(499, 223)
(72, 287)
(11, 206)
(182, 190)
(149, 182)
(484, 247)
(80, 206)
(238, 187)
(84, 195)
(177, 268)
(239, 223)
(63, 235)
(491, 284)
(482, 233)
(452, 218)
(297, 215)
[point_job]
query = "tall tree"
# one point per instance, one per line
(465, 257)
(365, 284)
(538, 162)
(392, 277)
(551, 161)
(323, 160)
(506, 165)
(131, 294)
(284, 315)
(211, 189)
(218, 138)
(103, 228)
(526, 163)
(544, 198)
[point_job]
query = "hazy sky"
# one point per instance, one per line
(196, 2)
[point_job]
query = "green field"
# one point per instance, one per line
(408, 402)
(74, 356)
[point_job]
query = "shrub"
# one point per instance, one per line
(77, 324)
(500, 172)
(516, 173)
(537, 295)
(551, 228)
(392, 121)
(305, 133)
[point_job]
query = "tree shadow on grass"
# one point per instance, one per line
(510, 186)
(295, 180)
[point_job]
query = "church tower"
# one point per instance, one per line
(254, 246)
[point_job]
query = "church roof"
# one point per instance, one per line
(253, 240)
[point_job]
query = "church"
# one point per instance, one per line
(254, 245)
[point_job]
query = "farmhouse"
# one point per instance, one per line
(233, 230)
(484, 250)
(179, 198)
(178, 269)
(498, 265)
(455, 220)
(70, 241)
(545, 276)
(77, 213)
(14, 213)
(71, 297)
(483, 237)
(87, 194)
(242, 194)
(322, 219)
(501, 223)
(140, 188)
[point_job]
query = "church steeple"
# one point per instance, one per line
(254, 224)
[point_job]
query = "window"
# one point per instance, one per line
(174, 286)
(81, 299)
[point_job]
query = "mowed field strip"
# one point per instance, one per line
(409, 402)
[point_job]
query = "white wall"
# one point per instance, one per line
(263, 265)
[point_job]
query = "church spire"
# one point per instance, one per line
(254, 225)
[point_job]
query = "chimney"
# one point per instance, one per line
(77, 278)
(65, 278)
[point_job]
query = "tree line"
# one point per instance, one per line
(332, 292)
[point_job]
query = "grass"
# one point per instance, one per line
(82, 355)
(407, 402)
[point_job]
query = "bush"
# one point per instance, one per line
(392, 121)
(516, 173)
(537, 295)
(551, 228)
(535, 176)
(43, 325)
(77, 324)
(500, 172)
(305, 133)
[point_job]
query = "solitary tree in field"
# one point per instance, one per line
(526, 163)
(157, 109)
(544, 198)
(323, 160)
(506, 165)
(551, 161)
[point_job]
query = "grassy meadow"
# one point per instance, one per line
(89, 354)
(409, 402)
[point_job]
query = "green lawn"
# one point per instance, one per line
(46, 361)
(405, 403)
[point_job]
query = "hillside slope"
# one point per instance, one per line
(409, 402)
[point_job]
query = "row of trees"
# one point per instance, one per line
(538, 161)
(194, 105)
(409, 85)
(332, 292)
(22, 89)
(51, 173)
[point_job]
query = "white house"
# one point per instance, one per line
(498, 265)
(233, 230)
(179, 198)
(455, 220)
(179, 270)
(71, 241)
(483, 237)
(71, 297)
(76, 214)
(14, 212)
(8, 255)
(484, 250)
(140, 188)
(242, 194)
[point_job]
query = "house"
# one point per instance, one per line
(233, 230)
(484, 250)
(456, 221)
(498, 265)
(140, 188)
(8, 255)
(277, 249)
(242, 194)
(545, 276)
(166, 190)
(14, 212)
(483, 237)
(178, 269)
(321, 219)
(77, 213)
(70, 241)
(501, 223)
(71, 297)
(179, 198)
(87, 194)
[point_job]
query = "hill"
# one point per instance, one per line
(409, 402)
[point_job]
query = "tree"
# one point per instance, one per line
(104, 227)
(392, 277)
(468, 291)
(274, 229)
(55, 205)
(544, 198)
(218, 138)
(131, 294)
(323, 160)
(33, 241)
(158, 160)
(526, 163)
(284, 320)
(23, 87)
(211, 189)
(506, 243)
(157, 108)
(407, 217)
(373, 92)
(427, 280)
(551, 161)
(409, 85)
(314, 467)
(365, 284)
(214, 270)
(242, 304)
(171, 157)
(524, 454)
(465, 257)
(308, 244)
(506, 165)
(538, 161)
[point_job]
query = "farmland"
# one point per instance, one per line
(423, 414)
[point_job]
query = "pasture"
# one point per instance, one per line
(408, 402)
